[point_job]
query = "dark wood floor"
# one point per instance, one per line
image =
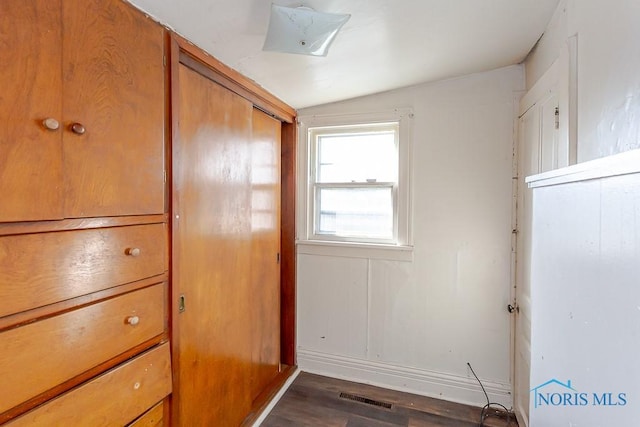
(314, 401)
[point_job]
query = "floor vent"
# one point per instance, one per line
(365, 400)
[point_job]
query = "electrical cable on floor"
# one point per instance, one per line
(484, 414)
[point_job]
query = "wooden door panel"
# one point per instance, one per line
(30, 155)
(212, 251)
(114, 87)
(265, 268)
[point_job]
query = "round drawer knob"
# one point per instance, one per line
(51, 123)
(132, 251)
(78, 129)
(133, 320)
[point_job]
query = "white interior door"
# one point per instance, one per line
(528, 163)
(540, 149)
(553, 154)
(545, 129)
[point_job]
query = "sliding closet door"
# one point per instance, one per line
(265, 224)
(212, 253)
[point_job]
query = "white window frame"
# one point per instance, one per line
(313, 243)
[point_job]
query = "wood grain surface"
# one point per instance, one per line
(212, 247)
(289, 175)
(58, 348)
(314, 401)
(30, 155)
(44, 268)
(113, 83)
(138, 384)
(152, 418)
(265, 251)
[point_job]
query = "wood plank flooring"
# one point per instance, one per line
(314, 401)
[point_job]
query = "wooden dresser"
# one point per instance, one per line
(83, 215)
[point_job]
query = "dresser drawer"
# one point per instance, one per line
(40, 269)
(43, 354)
(113, 399)
(154, 417)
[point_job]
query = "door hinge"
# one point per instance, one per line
(557, 113)
(278, 258)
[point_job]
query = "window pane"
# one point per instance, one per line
(356, 212)
(360, 157)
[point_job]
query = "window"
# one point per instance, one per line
(357, 179)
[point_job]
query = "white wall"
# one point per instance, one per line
(586, 311)
(606, 122)
(608, 71)
(414, 325)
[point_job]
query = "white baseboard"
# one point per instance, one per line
(272, 404)
(426, 383)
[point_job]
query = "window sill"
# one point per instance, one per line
(355, 250)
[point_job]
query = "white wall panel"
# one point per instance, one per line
(608, 60)
(332, 305)
(586, 298)
(428, 317)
